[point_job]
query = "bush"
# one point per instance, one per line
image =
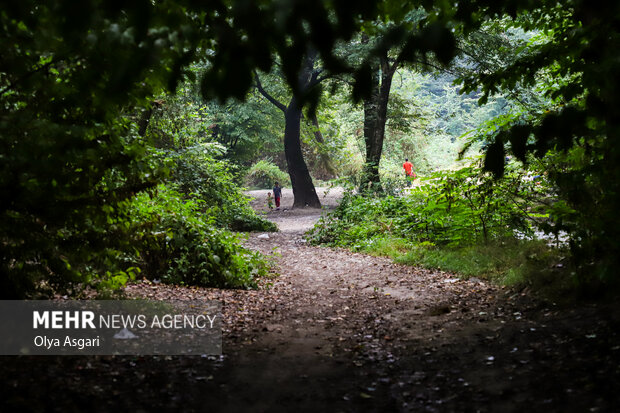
(69, 157)
(263, 174)
(461, 221)
(199, 175)
(180, 244)
(454, 208)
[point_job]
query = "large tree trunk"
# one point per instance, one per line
(375, 117)
(374, 144)
(303, 188)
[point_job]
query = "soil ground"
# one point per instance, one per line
(337, 331)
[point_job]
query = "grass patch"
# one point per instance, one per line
(387, 247)
(514, 263)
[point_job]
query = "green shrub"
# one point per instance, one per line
(460, 221)
(180, 244)
(263, 174)
(455, 208)
(198, 174)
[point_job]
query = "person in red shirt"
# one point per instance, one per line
(408, 166)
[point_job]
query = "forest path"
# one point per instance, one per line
(342, 331)
(337, 331)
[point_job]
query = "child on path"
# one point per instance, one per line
(269, 201)
(277, 194)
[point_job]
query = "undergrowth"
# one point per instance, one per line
(461, 222)
(176, 241)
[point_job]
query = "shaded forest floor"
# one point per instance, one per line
(341, 331)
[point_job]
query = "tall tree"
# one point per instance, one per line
(407, 40)
(375, 118)
(309, 77)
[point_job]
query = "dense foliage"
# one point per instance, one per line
(180, 143)
(73, 160)
(69, 156)
(198, 175)
(570, 121)
(177, 242)
(89, 121)
(463, 221)
(460, 207)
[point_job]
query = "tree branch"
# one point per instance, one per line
(317, 130)
(319, 79)
(510, 92)
(267, 96)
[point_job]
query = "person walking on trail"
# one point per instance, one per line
(277, 194)
(269, 201)
(409, 174)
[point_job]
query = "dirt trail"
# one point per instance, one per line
(421, 340)
(337, 331)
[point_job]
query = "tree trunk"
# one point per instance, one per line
(303, 188)
(145, 118)
(375, 117)
(318, 136)
(374, 145)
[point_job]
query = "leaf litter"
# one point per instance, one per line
(343, 331)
